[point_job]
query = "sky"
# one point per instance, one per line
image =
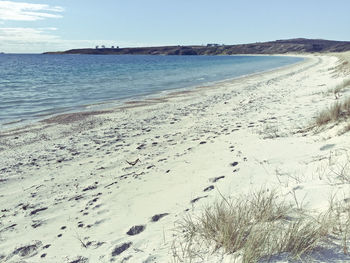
(35, 26)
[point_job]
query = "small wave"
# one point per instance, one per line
(12, 122)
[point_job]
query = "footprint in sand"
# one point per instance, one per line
(157, 217)
(209, 188)
(197, 199)
(79, 259)
(215, 179)
(234, 164)
(27, 251)
(120, 249)
(135, 230)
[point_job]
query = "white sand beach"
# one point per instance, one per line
(111, 186)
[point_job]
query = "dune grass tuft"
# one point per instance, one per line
(337, 112)
(341, 87)
(253, 227)
(341, 218)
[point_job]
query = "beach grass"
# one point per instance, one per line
(340, 88)
(254, 227)
(337, 112)
(340, 211)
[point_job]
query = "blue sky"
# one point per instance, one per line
(34, 26)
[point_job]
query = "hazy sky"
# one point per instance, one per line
(29, 26)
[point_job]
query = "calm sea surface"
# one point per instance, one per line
(34, 86)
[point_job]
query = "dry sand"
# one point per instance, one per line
(110, 186)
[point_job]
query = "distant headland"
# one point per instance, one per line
(298, 45)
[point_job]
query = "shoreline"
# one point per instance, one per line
(143, 100)
(119, 182)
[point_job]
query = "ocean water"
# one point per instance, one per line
(33, 87)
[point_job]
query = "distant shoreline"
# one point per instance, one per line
(289, 46)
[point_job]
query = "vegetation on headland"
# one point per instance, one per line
(299, 45)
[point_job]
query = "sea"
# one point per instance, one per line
(35, 86)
